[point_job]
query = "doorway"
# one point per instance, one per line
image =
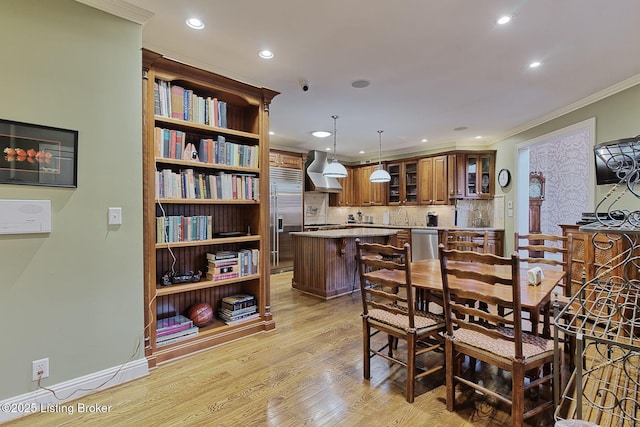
(564, 159)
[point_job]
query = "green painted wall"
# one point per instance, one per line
(617, 116)
(74, 295)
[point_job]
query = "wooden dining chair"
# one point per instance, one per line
(388, 306)
(467, 240)
(550, 251)
(493, 340)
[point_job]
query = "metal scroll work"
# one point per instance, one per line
(604, 316)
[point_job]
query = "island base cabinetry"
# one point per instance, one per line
(327, 267)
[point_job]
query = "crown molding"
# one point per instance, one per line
(611, 90)
(121, 9)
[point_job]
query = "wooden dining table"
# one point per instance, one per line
(426, 277)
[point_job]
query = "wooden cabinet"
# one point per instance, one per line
(369, 193)
(590, 253)
(282, 159)
(194, 206)
(456, 176)
(346, 197)
(479, 175)
(403, 187)
(432, 181)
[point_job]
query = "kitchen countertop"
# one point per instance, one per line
(419, 227)
(348, 232)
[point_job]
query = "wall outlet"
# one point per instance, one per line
(39, 369)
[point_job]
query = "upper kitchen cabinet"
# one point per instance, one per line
(368, 193)
(285, 160)
(403, 187)
(344, 198)
(455, 176)
(479, 172)
(432, 181)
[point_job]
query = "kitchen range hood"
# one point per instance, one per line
(315, 164)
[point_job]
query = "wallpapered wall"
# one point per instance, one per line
(563, 162)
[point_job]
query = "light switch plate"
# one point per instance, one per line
(115, 216)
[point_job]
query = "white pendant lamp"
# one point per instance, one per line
(334, 169)
(380, 175)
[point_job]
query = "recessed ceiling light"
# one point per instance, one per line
(328, 148)
(271, 132)
(195, 23)
(424, 140)
(359, 84)
(505, 19)
(479, 137)
(265, 54)
(535, 64)
(361, 151)
(321, 133)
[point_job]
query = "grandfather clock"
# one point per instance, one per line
(536, 196)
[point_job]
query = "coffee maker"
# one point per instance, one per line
(432, 219)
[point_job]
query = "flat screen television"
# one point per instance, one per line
(622, 150)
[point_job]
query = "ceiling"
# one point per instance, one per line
(433, 66)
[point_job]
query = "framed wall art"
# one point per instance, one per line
(38, 155)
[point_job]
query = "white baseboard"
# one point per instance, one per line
(39, 400)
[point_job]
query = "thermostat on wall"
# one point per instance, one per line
(25, 216)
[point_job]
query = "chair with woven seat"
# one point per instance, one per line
(550, 251)
(493, 340)
(388, 307)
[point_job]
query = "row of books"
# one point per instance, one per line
(179, 228)
(175, 101)
(187, 184)
(171, 144)
(230, 264)
(238, 308)
(175, 328)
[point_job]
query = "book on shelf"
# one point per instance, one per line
(242, 319)
(239, 311)
(222, 276)
(232, 268)
(169, 324)
(178, 102)
(178, 336)
(236, 302)
(230, 262)
(222, 255)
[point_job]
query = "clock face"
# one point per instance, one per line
(504, 177)
(535, 189)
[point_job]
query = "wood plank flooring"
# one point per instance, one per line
(307, 372)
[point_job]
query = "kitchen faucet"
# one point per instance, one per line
(406, 215)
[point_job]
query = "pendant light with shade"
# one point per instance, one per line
(334, 169)
(380, 175)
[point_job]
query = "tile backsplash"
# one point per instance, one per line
(466, 213)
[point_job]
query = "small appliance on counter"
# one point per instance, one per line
(351, 219)
(385, 218)
(432, 219)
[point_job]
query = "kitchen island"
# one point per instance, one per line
(324, 262)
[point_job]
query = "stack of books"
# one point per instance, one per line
(238, 308)
(223, 265)
(176, 328)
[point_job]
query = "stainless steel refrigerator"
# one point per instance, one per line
(286, 215)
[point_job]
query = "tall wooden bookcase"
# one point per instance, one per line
(232, 223)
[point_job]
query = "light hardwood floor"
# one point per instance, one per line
(307, 372)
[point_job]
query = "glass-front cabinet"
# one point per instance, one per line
(479, 175)
(403, 187)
